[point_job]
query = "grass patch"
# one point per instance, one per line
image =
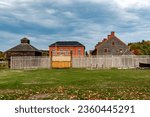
(74, 84)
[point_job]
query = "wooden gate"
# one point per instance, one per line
(61, 59)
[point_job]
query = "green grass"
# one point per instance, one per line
(74, 84)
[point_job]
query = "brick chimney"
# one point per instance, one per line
(112, 34)
(109, 36)
(104, 39)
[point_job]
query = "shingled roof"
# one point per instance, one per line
(24, 46)
(66, 43)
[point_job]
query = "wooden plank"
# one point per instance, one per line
(60, 64)
(61, 58)
(30, 62)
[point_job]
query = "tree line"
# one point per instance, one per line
(140, 48)
(2, 56)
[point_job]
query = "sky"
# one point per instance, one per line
(87, 21)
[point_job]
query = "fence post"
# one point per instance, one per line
(112, 64)
(11, 63)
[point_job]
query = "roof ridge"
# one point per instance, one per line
(23, 47)
(67, 43)
(13, 47)
(34, 47)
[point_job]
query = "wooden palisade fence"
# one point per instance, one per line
(30, 62)
(122, 62)
(111, 61)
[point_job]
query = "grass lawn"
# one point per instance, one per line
(74, 84)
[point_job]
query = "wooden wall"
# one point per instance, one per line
(30, 62)
(122, 62)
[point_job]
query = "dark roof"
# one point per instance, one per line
(66, 43)
(24, 47)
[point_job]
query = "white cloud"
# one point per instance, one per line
(127, 16)
(8, 39)
(125, 4)
(5, 35)
(63, 14)
(134, 36)
(94, 1)
(29, 14)
(4, 3)
(69, 14)
(51, 11)
(47, 19)
(63, 2)
(121, 3)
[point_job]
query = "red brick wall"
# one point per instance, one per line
(73, 49)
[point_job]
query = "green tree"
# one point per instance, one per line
(140, 48)
(2, 56)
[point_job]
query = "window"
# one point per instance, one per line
(53, 51)
(79, 51)
(61, 51)
(67, 52)
(106, 50)
(113, 43)
(120, 51)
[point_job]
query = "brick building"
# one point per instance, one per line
(111, 45)
(75, 47)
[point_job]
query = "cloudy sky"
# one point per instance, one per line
(87, 21)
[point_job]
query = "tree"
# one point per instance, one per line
(140, 48)
(2, 56)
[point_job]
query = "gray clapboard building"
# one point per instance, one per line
(111, 45)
